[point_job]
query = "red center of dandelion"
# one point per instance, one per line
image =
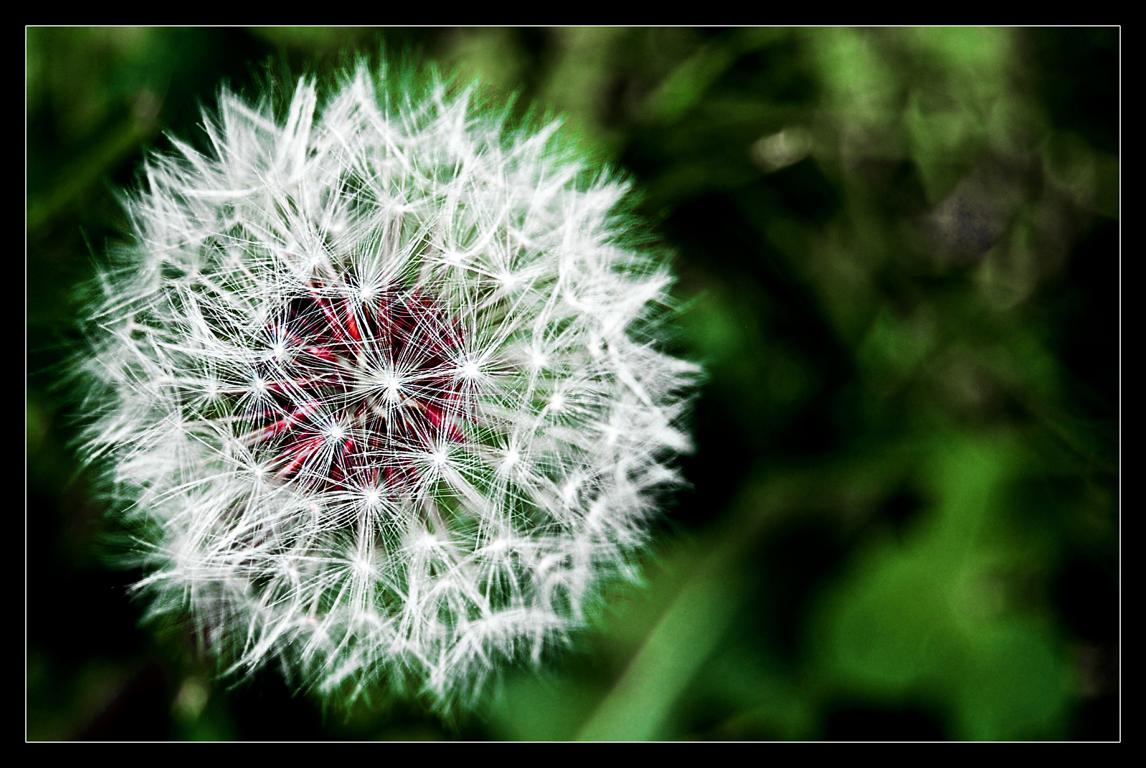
(361, 393)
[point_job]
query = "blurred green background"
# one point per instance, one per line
(900, 251)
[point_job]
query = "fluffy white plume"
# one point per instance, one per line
(381, 382)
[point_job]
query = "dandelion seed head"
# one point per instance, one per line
(383, 379)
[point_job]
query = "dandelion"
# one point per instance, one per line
(379, 383)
